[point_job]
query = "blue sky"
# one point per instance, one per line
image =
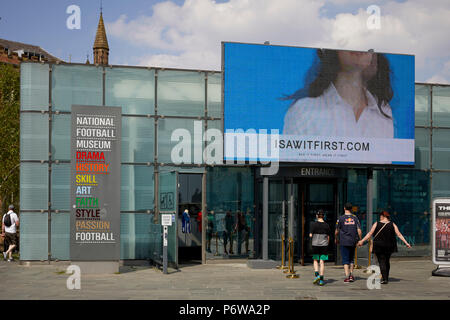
(187, 34)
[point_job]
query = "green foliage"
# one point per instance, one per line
(9, 134)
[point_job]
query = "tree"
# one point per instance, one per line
(9, 134)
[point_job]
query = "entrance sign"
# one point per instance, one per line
(95, 183)
(441, 231)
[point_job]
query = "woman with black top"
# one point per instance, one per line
(384, 243)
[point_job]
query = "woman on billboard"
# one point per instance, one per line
(348, 97)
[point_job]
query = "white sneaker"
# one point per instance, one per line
(4, 256)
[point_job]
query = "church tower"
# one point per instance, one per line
(101, 48)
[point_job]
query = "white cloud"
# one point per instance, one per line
(443, 76)
(189, 35)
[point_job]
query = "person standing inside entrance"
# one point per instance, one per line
(320, 236)
(384, 243)
(347, 234)
(209, 230)
(227, 233)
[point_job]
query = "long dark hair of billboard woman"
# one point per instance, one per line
(347, 94)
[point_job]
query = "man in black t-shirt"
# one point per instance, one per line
(348, 232)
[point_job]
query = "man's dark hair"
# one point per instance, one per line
(320, 213)
(348, 206)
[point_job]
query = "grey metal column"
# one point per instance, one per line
(369, 204)
(204, 215)
(369, 198)
(291, 216)
(165, 243)
(265, 220)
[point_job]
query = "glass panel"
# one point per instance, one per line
(441, 106)
(165, 146)
(319, 196)
(137, 188)
(422, 148)
(61, 136)
(441, 184)
(167, 198)
(190, 188)
(155, 240)
(130, 88)
(33, 186)
(135, 236)
(215, 124)
(60, 236)
(74, 84)
(215, 150)
(405, 195)
(441, 149)
(33, 136)
(357, 194)
(181, 93)
(276, 196)
(215, 95)
(60, 186)
(138, 136)
(34, 86)
(33, 236)
(422, 105)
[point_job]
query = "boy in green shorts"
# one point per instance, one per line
(320, 236)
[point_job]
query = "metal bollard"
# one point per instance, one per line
(291, 274)
(217, 245)
(356, 266)
(369, 263)
(282, 267)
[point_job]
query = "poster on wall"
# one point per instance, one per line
(95, 183)
(317, 105)
(441, 231)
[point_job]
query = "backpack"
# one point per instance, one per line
(7, 220)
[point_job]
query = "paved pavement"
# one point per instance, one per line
(411, 279)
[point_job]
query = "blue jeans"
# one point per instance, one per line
(348, 254)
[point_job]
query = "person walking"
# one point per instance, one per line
(320, 238)
(227, 233)
(384, 243)
(347, 234)
(10, 222)
(209, 230)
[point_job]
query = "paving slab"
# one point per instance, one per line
(410, 279)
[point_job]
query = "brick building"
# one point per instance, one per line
(12, 52)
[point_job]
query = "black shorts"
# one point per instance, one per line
(11, 238)
(320, 250)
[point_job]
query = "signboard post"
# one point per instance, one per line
(441, 236)
(166, 221)
(95, 188)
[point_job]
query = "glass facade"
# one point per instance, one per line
(156, 102)
(407, 192)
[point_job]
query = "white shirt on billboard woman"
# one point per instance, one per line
(339, 103)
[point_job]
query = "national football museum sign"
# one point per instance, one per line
(95, 183)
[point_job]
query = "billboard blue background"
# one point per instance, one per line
(257, 77)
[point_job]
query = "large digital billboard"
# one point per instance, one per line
(317, 105)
